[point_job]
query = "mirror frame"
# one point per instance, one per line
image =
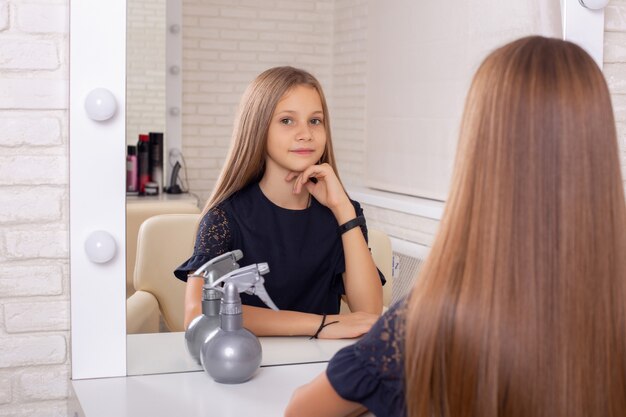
(97, 189)
(97, 175)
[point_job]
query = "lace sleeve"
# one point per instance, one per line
(383, 345)
(371, 371)
(214, 238)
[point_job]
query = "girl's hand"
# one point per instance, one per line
(326, 189)
(349, 325)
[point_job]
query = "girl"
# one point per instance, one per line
(280, 201)
(520, 308)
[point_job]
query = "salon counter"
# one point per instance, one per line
(288, 362)
(192, 394)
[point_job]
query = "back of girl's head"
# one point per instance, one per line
(245, 162)
(520, 308)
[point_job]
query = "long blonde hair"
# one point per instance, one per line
(520, 307)
(245, 162)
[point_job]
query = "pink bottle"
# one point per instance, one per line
(143, 164)
(131, 170)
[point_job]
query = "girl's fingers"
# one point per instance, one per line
(309, 176)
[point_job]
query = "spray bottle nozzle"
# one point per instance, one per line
(215, 268)
(248, 279)
(223, 263)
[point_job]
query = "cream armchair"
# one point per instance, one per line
(164, 242)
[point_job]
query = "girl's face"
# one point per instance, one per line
(296, 137)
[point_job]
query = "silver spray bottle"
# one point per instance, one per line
(206, 324)
(233, 354)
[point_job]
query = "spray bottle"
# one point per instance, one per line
(207, 323)
(233, 354)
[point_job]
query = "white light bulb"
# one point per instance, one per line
(100, 104)
(100, 247)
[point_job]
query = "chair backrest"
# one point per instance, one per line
(137, 211)
(164, 242)
(380, 246)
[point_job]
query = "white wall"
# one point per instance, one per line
(34, 281)
(615, 67)
(347, 100)
(34, 278)
(145, 72)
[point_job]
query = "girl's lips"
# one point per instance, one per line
(303, 151)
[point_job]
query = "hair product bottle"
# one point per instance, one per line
(156, 159)
(143, 163)
(131, 169)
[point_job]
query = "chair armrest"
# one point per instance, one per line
(142, 313)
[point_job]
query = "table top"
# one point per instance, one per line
(183, 389)
(193, 394)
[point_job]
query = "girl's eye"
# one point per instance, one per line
(317, 122)
(286, 121)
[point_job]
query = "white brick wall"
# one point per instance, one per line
(348, 95)
(145, 88)
(615, 67)
(34, 290)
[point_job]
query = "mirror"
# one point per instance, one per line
(224, 46)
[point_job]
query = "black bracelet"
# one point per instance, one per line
(351, 224)
(322, 325)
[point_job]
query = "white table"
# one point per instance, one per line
(287, 363)
(192, 394)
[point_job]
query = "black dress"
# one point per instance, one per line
(302, 248)
(371, 371)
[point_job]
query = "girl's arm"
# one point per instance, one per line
(361, 281)
(266, 322)
(319, 399)
(193, 299)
